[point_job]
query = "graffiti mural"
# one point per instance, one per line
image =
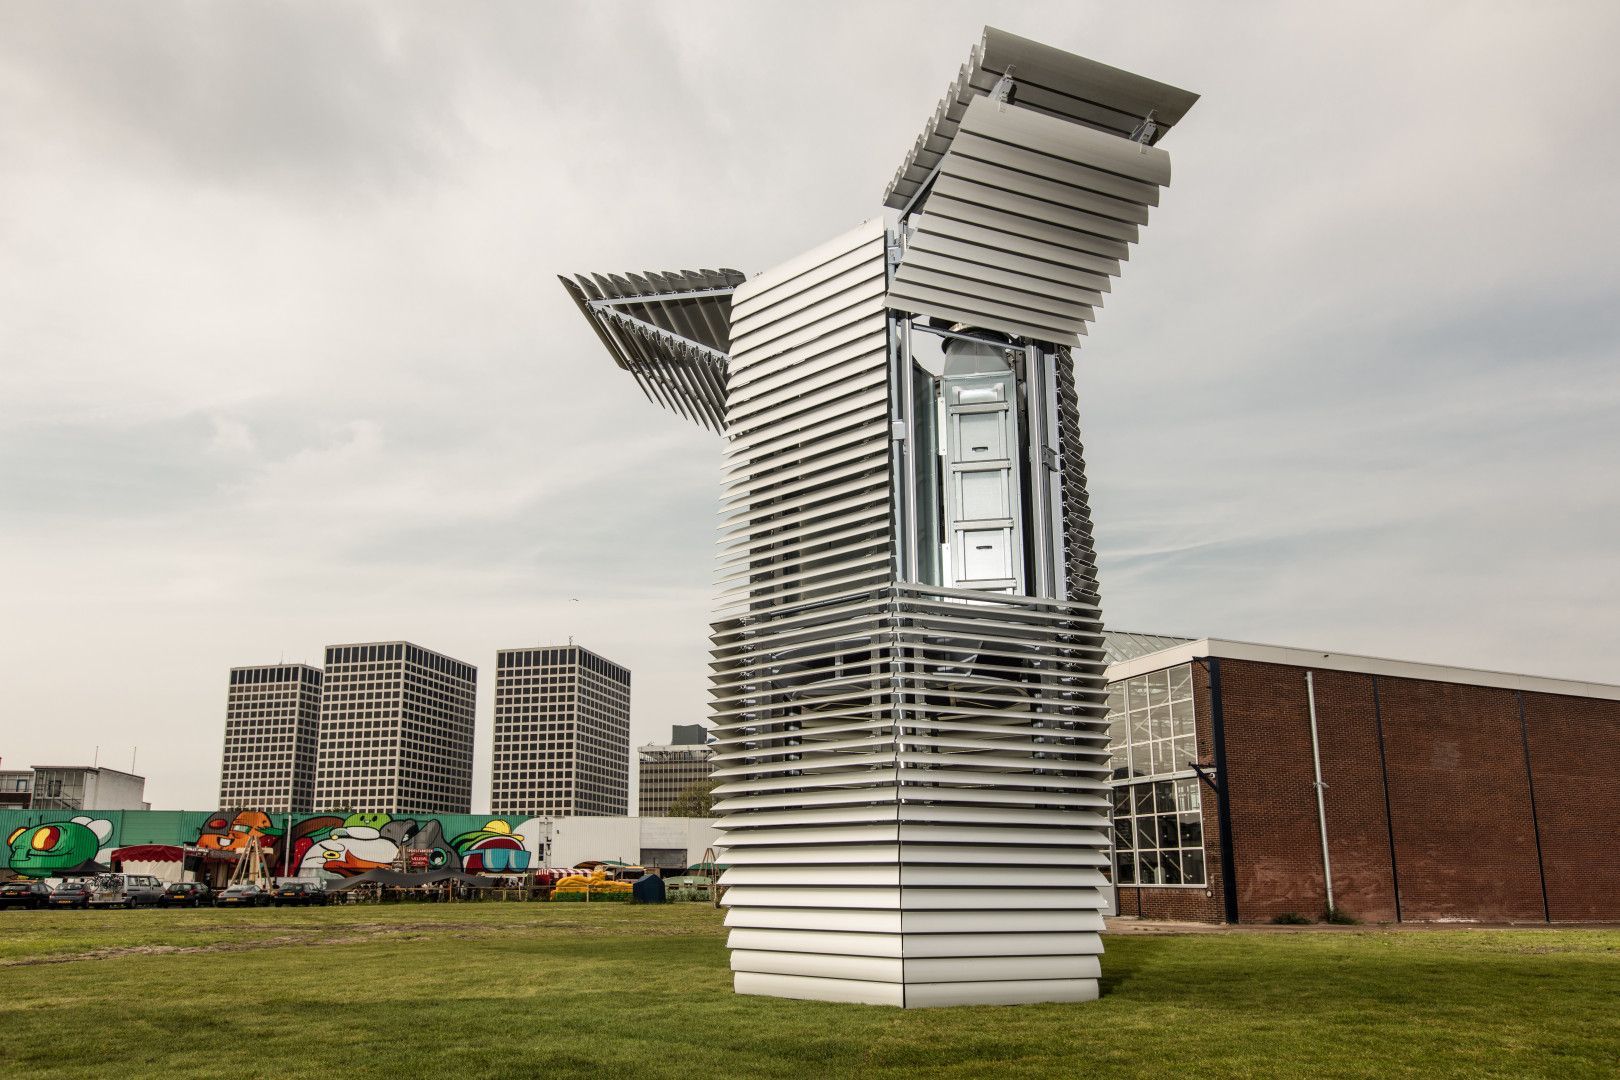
(360, 842)
(495, 848)
(208, 845)
(223, 832)
(54, 848)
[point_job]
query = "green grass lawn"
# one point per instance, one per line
(523, 990)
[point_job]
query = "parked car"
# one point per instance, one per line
(186, 894)
(28, 894)
(125, 890)
(71, 894)
(246, 894)
(299, 892)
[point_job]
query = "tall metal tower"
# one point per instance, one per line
(908, 690)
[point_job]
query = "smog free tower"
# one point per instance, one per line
(909, 707)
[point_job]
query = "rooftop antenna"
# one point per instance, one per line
(132, 752)
(97, 763)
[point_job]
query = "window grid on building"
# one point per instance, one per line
(666, 772)
(1158, 822)
(272, 721)
(396, 731)
(562, 734)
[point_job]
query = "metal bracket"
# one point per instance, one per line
(1144, 132)
(656, 331)
(656, 298)
(1005, 89)
(1205, 776)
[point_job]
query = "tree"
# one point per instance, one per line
(695, 800)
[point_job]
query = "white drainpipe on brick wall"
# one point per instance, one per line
(1321, 806)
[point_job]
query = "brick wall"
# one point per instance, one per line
(1453, 775)
(1575, 760)
(1464, 844)
(1277, 844)
(1358, 826)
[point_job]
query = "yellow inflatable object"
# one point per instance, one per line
(597, 883)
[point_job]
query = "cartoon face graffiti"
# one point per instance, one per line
(368, 820)
(348, 850)
(432, 850)
(56, 847)
(220, 833)
(495, 848)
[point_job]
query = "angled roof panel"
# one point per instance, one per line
(1028, 189)
(1051, 81)
(671, 331)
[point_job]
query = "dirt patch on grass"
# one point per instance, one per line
(313, 936)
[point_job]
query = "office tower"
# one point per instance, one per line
(909, 708)
(668, 769)
(562, 733)
(396, 730)
(272, 723)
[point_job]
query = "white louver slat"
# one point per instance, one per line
(1022, 206)
(961, 836)
(669, 331)
(806, 506)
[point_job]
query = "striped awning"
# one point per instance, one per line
(671, 331)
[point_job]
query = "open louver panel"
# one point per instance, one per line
(671, 331)
(806, 506)
(1046, 80)
(1025, 193)
(1025, 223)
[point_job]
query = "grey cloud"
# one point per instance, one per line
(247, 92)
(283, 360)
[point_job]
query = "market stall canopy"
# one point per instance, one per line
(671, 331)
(399, 879)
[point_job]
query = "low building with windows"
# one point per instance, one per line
(16, 788)
(1255, 781)
(669, 769)
(86, 787)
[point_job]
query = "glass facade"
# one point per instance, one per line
(1158, 823)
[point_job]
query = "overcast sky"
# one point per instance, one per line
(284, 361)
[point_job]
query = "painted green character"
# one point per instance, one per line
(367, 821)
(58, 847)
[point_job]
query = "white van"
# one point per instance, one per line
(125, 890)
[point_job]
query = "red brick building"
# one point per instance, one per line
(1446, 793)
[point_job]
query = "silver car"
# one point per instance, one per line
(125, 890)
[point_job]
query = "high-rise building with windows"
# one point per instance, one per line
(272, 723)
(396, 733)
(562, 733)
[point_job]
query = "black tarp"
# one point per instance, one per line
(648, 890)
